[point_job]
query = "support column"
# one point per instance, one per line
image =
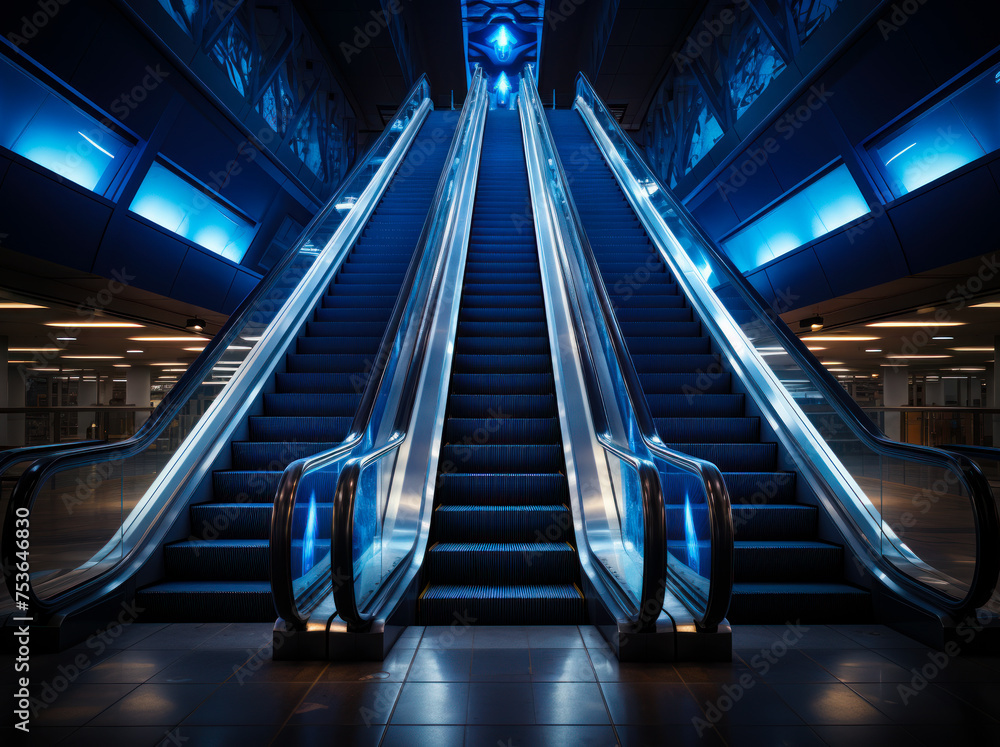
(3, 389)
(895, 393)
(137, 382)
(934, 393)
(87, 395)
(17, 395)
(996, 389)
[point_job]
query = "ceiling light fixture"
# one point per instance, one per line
(94, 325)
(915, 324)
(9, 305)
(814, 323)
(196, 325)
(845, 338)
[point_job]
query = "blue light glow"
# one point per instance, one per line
(502, 88)
(173, 202)
(691, 537)
(111, 155)
(309, 540)
(503, 43)
(823, 206)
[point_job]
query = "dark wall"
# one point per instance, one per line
(101, 55)
(895, 65)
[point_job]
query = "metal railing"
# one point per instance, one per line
(837, 448)
(653, 512)
(367, 550)
(129, 488)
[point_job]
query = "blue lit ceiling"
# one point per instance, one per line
(502, 37)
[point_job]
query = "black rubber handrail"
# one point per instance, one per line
(428, 267)
(34, 476)
(987, 522)
(711, 610)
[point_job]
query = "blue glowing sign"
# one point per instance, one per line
(503, 43)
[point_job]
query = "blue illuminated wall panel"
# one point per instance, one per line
(176, 203)
(824, 205)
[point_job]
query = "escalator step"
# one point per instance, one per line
(456, 523)
(502, 605)
(502, 490)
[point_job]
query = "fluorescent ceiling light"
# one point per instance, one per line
(973, 350)
(32, 350)
(942, 338)
(915, 357)
(93, 325)
(916, 324)
(987, 305)
(7, 305)
(168, 339)
(93, 357)
(873, 350)
(845, 338)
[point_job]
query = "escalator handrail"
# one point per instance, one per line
(429, 266)
(987, 522)
(719, 509)
(10, 457)
(286, 497)
(30, 483)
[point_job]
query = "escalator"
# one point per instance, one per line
(221, 571)
(783, 570)
(501, 549)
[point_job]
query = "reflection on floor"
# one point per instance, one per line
(195, 684)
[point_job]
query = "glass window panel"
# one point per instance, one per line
(979, 106)
(181, 206)
(65, 140)
(20, 97)
(936, 144)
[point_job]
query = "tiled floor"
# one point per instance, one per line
(216, 684)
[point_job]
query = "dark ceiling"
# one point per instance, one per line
(626, 51)
(628, 68)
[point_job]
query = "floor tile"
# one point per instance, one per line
(984, 696)
(259, 670)
(155, 705)
(114, 736)
(793, 666)
(877, 636)
(126, 636)
(203, 665)
(252, 703)
(555, 636)
(569, 703)
(858, 665)
(501, 665)
(393, 668)
(945, 668)
(802, 636)
(399, 735)
(869, 736)
(829, 704)
(757, 704)
(127, 665)
(432, 703)
(181, 635)
(742, 735)
(444, 636)
(495, 735)
(650, 703)
(347, 703)
(326, 735)
(607, 668)
(905, 704)
(685, 735)
(78, 704)
(501, 637)
(441, 665)
(43, 736)
(242, 635)
(722, 672)
(259, 735)
(561, 665)
(501, 703)
(592, 638)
